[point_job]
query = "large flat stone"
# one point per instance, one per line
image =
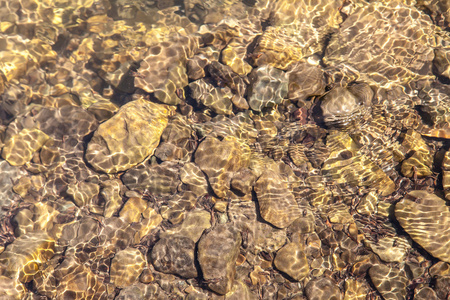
(129, 137)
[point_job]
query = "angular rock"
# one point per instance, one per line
(322, 288)
(159, 179)
(26, 254)
(218, 99)
(277, 204)
(175, 255)
(11, 289)
(77, 281)
(193, 225)
(268, 87)
(126, 266)
(129, 137)
(220, 159)
(382, 52)
(291, 259)
(426, 218)
(19, 149)
(163, 71)
(132, 209)
(390, 282)
(217, 254)
(243, 181)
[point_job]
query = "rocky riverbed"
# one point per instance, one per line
(224, 149)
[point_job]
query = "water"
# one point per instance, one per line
(224, 149)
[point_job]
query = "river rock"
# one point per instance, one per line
(19, 149)
(77, 281)
(277, 204)
(110, 192)
(194, 179)
(11, 289)
(132, 209)
(26, 254)
(378, 51)
(292, 260)
(217, 254)
(126, 266)
(220, 159)
(194, 224)
(268, 87)
(83, 193)
(128, 137)
(390, 282)
(8, 176)
(322, 288)
(159, 179)
(425, 293)
(426, 218)
(163, 70)
(218, 99)
(175, 255)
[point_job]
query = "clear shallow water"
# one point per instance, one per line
(220, 149)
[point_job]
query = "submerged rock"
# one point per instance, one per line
(268, 87)
(77, 281)
(291, 260)
(19, 149)
(26, 254)
(218, 99)
(277, 204)
(163, 71)
(217, 254)
(383, 57)
(126, 266)
(322, 288)
(128, 137)
(426, 217)
(175, 255)
(220, 159)
(390, 282)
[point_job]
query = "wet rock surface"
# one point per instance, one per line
(126, 266)
(390, 282)
(128, 137)
(292, 260)
(265, 149)
(431, 232)
(217, 254)
(175, 255)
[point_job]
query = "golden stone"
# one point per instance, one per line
(23, 257)
(19, 149)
